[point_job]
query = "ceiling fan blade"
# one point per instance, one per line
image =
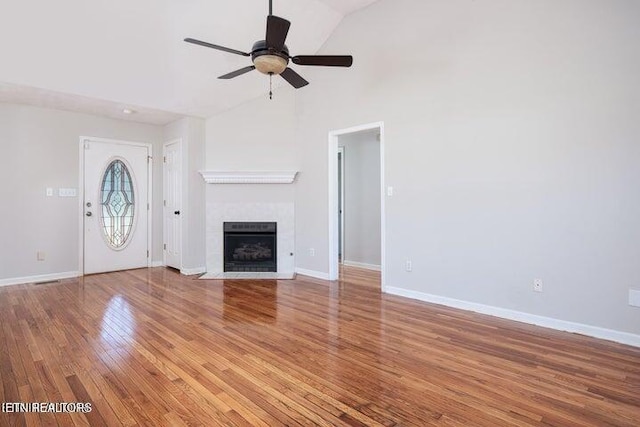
(215, 46)
(237, 73)
(277, 30)
(294, 78)
(324, 60)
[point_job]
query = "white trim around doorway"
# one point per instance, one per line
(341, 151)
(333, 195)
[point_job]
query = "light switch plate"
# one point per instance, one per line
(634, 297)
(67, 192)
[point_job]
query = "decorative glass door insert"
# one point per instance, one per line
(117, 199)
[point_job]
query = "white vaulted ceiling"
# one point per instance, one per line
(131, 52)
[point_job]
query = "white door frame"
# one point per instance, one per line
(164, 186)
(81, 198)
(341, 223)
(333, 195)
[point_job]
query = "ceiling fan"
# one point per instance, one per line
(271, 56)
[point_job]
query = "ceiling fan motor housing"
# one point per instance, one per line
(268, 60)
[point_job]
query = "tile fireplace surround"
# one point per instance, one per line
(250, 209)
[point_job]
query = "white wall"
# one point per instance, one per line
(191, 131)
(361, 198)
(511, 143)
(40, 149)
(257, 136)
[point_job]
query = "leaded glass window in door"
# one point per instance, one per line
(117, 199)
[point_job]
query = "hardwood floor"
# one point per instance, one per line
(150, 347)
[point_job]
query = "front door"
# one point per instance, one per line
(115, 205)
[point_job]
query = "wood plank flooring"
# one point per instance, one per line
(153, 348)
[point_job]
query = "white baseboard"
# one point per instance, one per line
(193, 271)
(157, 264)
(547, 322)
(39, 278)
(312, 273)
(362, 265)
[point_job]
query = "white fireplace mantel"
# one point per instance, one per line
(248, 177)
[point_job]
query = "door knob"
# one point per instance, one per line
(176, 212)
(88, 214)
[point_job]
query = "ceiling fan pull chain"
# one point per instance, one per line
(270, 85)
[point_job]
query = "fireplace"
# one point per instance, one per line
(250, 247)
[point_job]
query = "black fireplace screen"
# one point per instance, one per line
(250, 246)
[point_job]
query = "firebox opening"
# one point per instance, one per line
(250, 247)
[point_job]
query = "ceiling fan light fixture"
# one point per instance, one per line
(270, 64)
(271, 55)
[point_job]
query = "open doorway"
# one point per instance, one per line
(359, 199)
(356, 199)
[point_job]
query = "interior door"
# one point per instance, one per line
(116, 206)
(172, 172)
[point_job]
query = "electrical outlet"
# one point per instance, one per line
(49, 191)
(312, 252)
(408, 266)
(41, 255)
(537, 285)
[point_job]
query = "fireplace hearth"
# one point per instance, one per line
(250, 247)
